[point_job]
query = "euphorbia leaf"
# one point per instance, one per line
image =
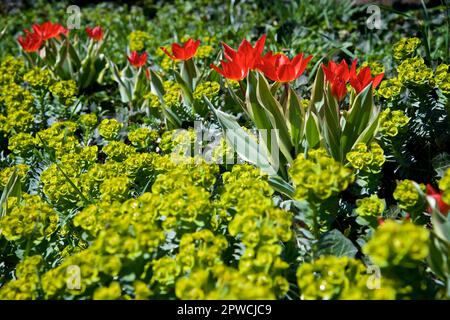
(334, 243)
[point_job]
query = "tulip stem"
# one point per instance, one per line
(287, 93)
(30, 60)
(241, 86)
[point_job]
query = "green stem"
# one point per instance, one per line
(286, 96)
(28, 247)
(30, 59)
(316, 228)
(447, 48)
(241, 86)
(42, 102)
(83, 198)
(130, 106)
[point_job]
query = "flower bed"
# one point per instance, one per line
(147, 165)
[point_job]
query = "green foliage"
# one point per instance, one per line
(104, 195)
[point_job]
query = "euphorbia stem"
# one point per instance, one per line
(42, 101)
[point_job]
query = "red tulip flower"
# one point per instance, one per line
(183, 52)
(238, 63)
(337, 75)
(31, 43)
(95, 33)
(137, 60)
(443, 207)
(279, 68)
(359, 81)
(233, 70)
(249, 56)
(48, 30)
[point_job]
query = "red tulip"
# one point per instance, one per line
(338, 76)
(31, 43)
(238, 63)
(250, 56)
(48, 30)
(233, 70)
(443, 207)
(137, 60)
(279, 68)
(359, 81)
(95, 33)
(184, 52)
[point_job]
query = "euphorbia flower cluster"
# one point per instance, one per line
(40, 33)
(338, 75)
